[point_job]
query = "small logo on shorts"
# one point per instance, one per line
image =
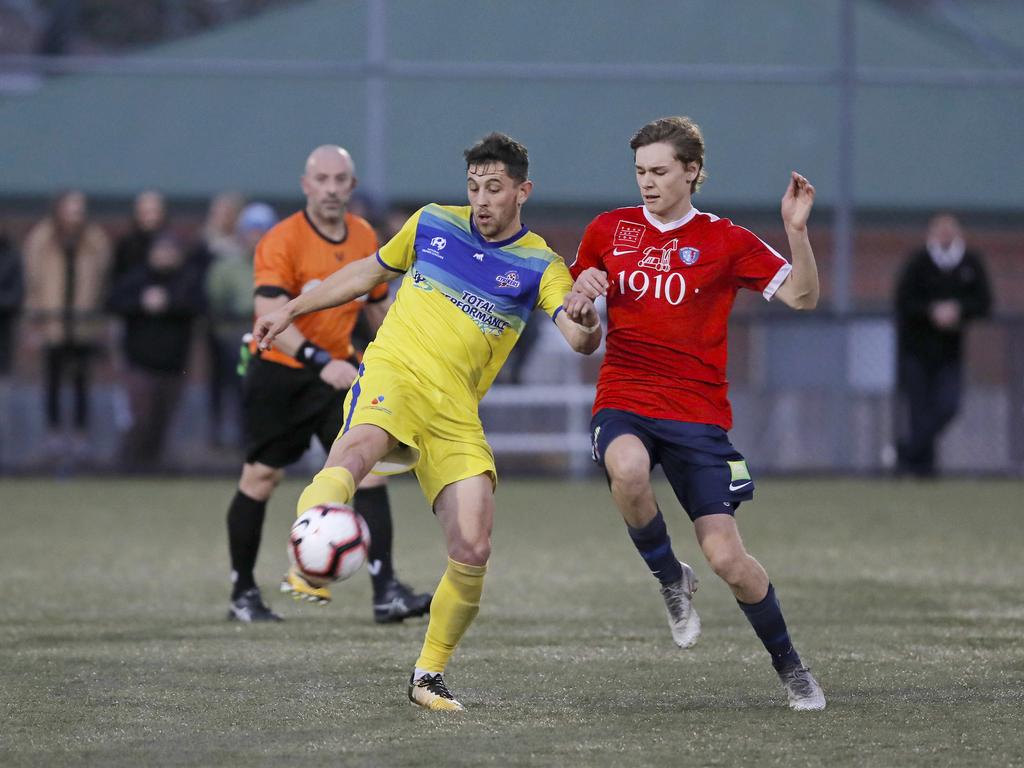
(377, 404)
(593, 445)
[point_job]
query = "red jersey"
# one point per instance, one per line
(671, 288)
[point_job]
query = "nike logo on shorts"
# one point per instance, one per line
(623, 251)
(733, 487)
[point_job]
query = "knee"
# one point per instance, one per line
(259, 481)
(727, 563)
(630, 474)
(470, 551)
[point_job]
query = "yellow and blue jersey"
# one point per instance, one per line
(464, 301)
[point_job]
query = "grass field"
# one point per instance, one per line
(906, 599)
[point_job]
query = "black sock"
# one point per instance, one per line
(655, 547)
(766, 619)
(373, 505)
(245, 528)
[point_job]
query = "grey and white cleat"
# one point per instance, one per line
(805, 695)
(682, 618)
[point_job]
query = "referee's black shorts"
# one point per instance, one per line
(283, 408)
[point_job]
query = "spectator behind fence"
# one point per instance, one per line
(218, 241)
(67, 260)
(149, 216)
(158, 301)
(229, 300)
(943, 286)
(12, 293)
(218, 238)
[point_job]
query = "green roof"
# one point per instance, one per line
(195, 133)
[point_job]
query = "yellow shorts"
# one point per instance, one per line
(439, 437)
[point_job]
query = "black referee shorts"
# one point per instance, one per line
(283, 408)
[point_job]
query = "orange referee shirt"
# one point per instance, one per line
(293, 257)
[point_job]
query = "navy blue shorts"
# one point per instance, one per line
(700, 463)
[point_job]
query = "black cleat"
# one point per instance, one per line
(398, 602)
(249, 607)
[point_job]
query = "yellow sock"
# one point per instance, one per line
(456, 603)
(331, 485)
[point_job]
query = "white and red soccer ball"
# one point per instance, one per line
(328, 543)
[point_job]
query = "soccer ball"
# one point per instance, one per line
(328, 543)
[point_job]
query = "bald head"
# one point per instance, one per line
(329, 156)
(328, 183)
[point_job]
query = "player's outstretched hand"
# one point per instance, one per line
(339, 374)
(580, 309)
(592, 283)
(267, 326)
(797, 202)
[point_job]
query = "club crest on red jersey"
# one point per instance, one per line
(659, 258)
(689, 256)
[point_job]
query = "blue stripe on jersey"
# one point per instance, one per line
(355, 393)
(516, 257)
(519, 304)
(463, 264)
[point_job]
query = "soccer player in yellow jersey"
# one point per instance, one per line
(472, 276)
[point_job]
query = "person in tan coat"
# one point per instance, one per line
(67, 259)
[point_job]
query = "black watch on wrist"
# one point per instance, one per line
(313, 357)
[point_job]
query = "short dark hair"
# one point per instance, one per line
(500, 148)
(685, 137)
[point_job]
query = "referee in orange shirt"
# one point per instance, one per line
(296, 390)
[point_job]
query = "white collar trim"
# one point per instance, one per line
(670, 225)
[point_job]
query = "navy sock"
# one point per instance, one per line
(766, 619)
(655, 547)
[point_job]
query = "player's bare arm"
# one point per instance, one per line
(338, 373)
(592, 282)
(348, 283)
(800, 290)
(580, 323)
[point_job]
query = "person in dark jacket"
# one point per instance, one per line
(942, 288)
(158, 302)
(12, 293)
(149, 217)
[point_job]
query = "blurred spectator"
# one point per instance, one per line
(158, 300)
(219, 239)
(12, 292)
(942, 287)
(67, 260)
(149, 216)
(229, 300)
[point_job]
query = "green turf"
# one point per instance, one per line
(905, 599)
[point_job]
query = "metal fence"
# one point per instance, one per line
(812, 393)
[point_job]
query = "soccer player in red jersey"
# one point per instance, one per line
(670, 274)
